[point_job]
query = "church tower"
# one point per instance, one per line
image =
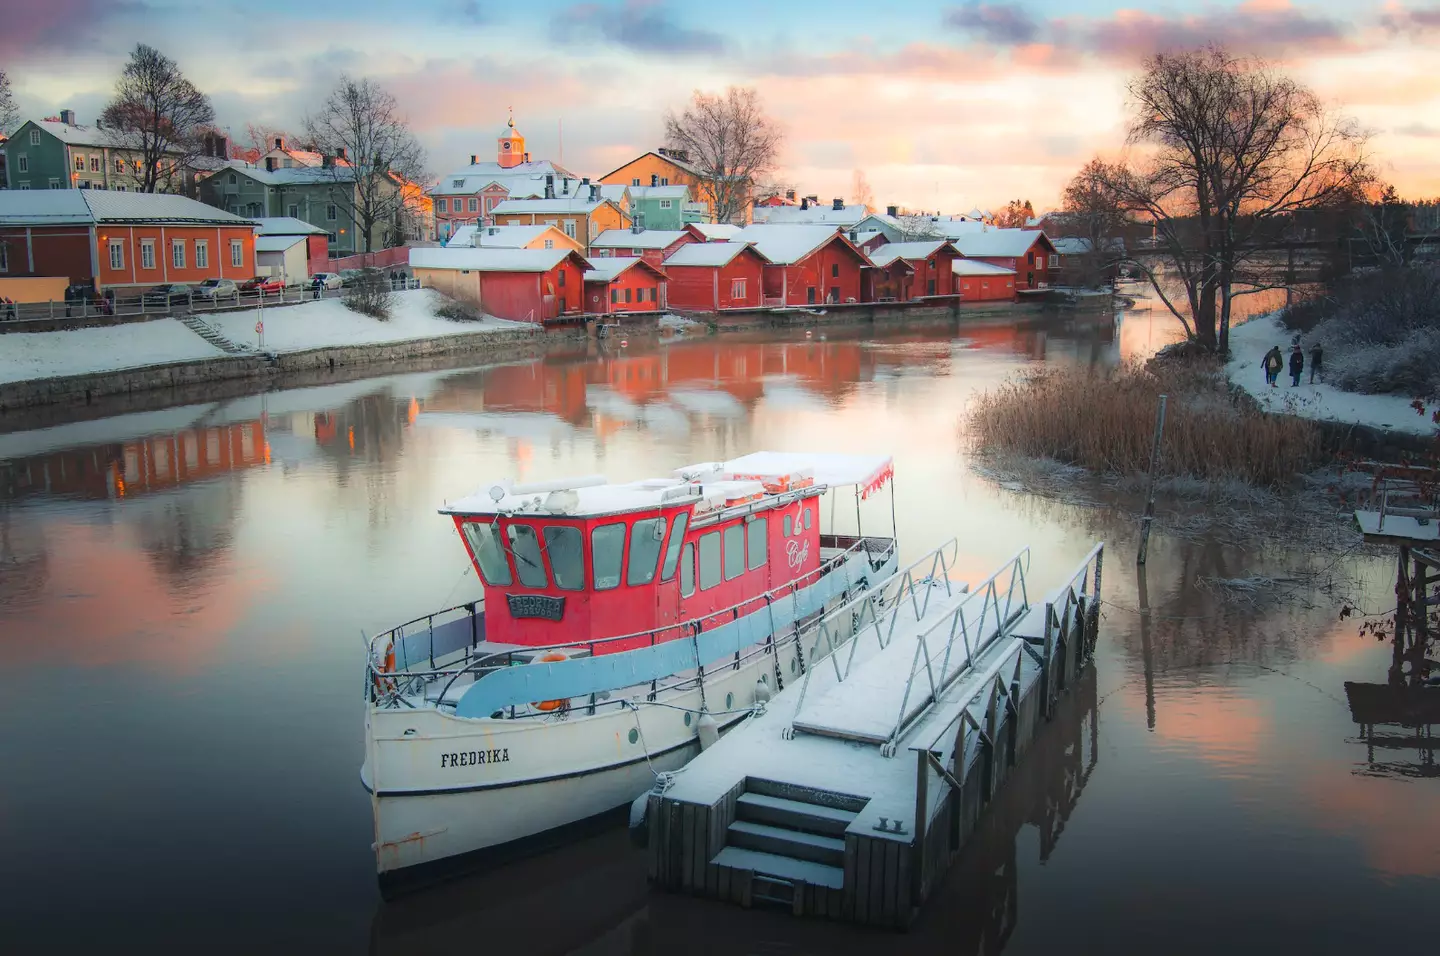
(512, 146)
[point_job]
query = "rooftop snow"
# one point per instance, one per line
(659, 192)
(605, 269)
(276, 243)
(646, 239)
(786, 244)
(814, 215)
(516, 179)
(77, 135)
(716, 231)
(287, 226)
(571, 203)
(706, 253)
(906, 250)
(974, 267)
(489, 259)
(86, 206)
(497, 237)
(997, 242)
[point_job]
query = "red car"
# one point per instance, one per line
(266, 284)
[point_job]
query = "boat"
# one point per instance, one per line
(622, 627)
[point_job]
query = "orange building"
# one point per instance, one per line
(670, 167)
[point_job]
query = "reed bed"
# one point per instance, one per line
(1104, 421)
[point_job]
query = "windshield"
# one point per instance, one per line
(210, 283)
(488, 553)
(607, 554)
(525, 545)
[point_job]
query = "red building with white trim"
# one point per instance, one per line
(711, 276)
(628, 284)
(809, 264)
(930, 268)
(1029, 252)
(524, 285)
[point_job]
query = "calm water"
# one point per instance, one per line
(183, 595)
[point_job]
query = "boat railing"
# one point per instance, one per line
(382, 683)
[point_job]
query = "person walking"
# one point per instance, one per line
(1297, 365)
(1272, 363)
(1317, 355)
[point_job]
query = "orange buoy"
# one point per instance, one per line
(386, 685)
(549, 705)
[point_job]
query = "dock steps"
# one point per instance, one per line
(795, 814)
(787, 868)
(783, 841)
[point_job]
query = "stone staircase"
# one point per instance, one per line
(784, 837)
(210, 334)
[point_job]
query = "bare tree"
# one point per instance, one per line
(261, 137)
(1093, 213)
(917, 227)
(860, 192)
(1228, 151)
(9, 112)
(361, 125)
(158, 114)
(1015, 215)
(732, 144)
(1381, 224)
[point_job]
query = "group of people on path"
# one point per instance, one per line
(1273, 362)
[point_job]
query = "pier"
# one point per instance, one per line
(851, 791)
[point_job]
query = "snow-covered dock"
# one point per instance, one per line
(850, 794)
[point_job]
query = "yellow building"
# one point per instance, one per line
(580, 216)
(665, 167)
(514, 237)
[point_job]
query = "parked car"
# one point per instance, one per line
(216, 289)
(266, 284)
(328, 280)
(349, 277)
(170, 294)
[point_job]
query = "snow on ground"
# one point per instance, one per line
(1249, 343)
(328, 323)
(31, 355)
(671, 321)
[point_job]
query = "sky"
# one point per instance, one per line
(943, 106)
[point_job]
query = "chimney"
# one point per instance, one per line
(839, 205)
(473, 157)
(269, 164)
(279, 143)
(328, 162)
(527, 158)
(790, 194)
(340, 152)
(594, 193)
(654, 179)
(814, 200)
(585, 181)
(99, 122)
(549, 185)
(67, 117)
(892, 211)
(805, 203)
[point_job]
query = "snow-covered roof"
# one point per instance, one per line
(820, 213)
(294, 176)
(707, 253)
(659, 192)
(887, 254)
(606, 269)
(288, 226)
(831, 469)
(56, 206)
(997, 242)
(786, 244)
(715, 231)
(520, 179)
(1080, 245)
(276, 243)
(489, 260)
(499, 237)
(77, 135)
(645, 239)
(571, 203)
(974, 267)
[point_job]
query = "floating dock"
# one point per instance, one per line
(850, 794)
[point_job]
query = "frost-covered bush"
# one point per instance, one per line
(370, 295)
(457, 311)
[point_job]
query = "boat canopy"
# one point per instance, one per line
(868, 473)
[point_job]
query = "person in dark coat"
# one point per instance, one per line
(1297, 366)
(1272, 363)
(1317, 355)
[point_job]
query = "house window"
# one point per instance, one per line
(94, 164)
(834, 293)
(1030, 258)
(202, 254)
(83, 184)
(34, 137)
(473, 205)
(330, 212)
(120, 168)
(79, 163)
(549, 243)
(664, 181)
(22, 163)
(333, 238)
(489, 204)
(1054, 262)
(737, 288)
(147, 253)
(570, 228)
(117, 254)
(237, 253)
(635, 182)
(636, 252)
(294, 210)
(54, 184)
(561, 281)
(120, 188)
(457, 184)
(24, 185)
(440, 205)
(666, 204)
(614, 296)
(177, 253)
(627, 296)
(834, 270)
(4, 258)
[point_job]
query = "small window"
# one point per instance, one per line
(202, 254)
(570, 228)
(787, 526)
(664, 181)
(35, 140)
(147, 253)
(737, 289)
(22, 164)
(834, 270)
(54, 184)
(666, 204)
(758, 551)
(809, 517)
(645, 540)
(4, 258)
(439, 205)
(177, 253)
(294, 211)
(627, 295)
(607, 554)
(485, 543)
(672, 551)
(734, 551)
(474, 205)
(457, 184)
(561, 281)
(237, 253)
(709, 560)
(94, 164)
(687, 571)
(117, 254)
(567, 558)
(330, 212)
(120, 168)
(79, 164)
(549, 243)
(525, 546)
(614, 296)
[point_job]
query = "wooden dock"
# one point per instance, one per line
(849, 796)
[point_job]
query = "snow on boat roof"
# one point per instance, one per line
(869, 472)
(595, 496)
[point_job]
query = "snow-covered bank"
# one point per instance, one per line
(1249, 343)
(25, 356)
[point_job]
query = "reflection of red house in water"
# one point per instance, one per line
(143, 465)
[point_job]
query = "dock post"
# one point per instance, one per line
(922, 819)
(1149, 516)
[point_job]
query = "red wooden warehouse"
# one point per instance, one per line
(1028, 252)
(711, 276)
(809, 265)
(624, 285)
(525, 285)
(979, 281)
(930, 263)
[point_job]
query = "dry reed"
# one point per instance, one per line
(1103, 420)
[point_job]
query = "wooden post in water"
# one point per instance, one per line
(1149, 516)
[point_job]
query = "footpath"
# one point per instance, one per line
(1248, 344)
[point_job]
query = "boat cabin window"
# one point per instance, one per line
(567, 557)
(687, 571)
(759, 543)
(672, 552)
(787, 526)
(607, 555)
(734, 551)
(809, 517)
(709, 560)
(645, 540)
(485, 542)
(525, 545)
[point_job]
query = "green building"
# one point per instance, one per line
(664, 207)
(61, 154)
(318, 195)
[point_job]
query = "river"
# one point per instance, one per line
(183, 594)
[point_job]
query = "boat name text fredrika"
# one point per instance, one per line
(474, 758)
